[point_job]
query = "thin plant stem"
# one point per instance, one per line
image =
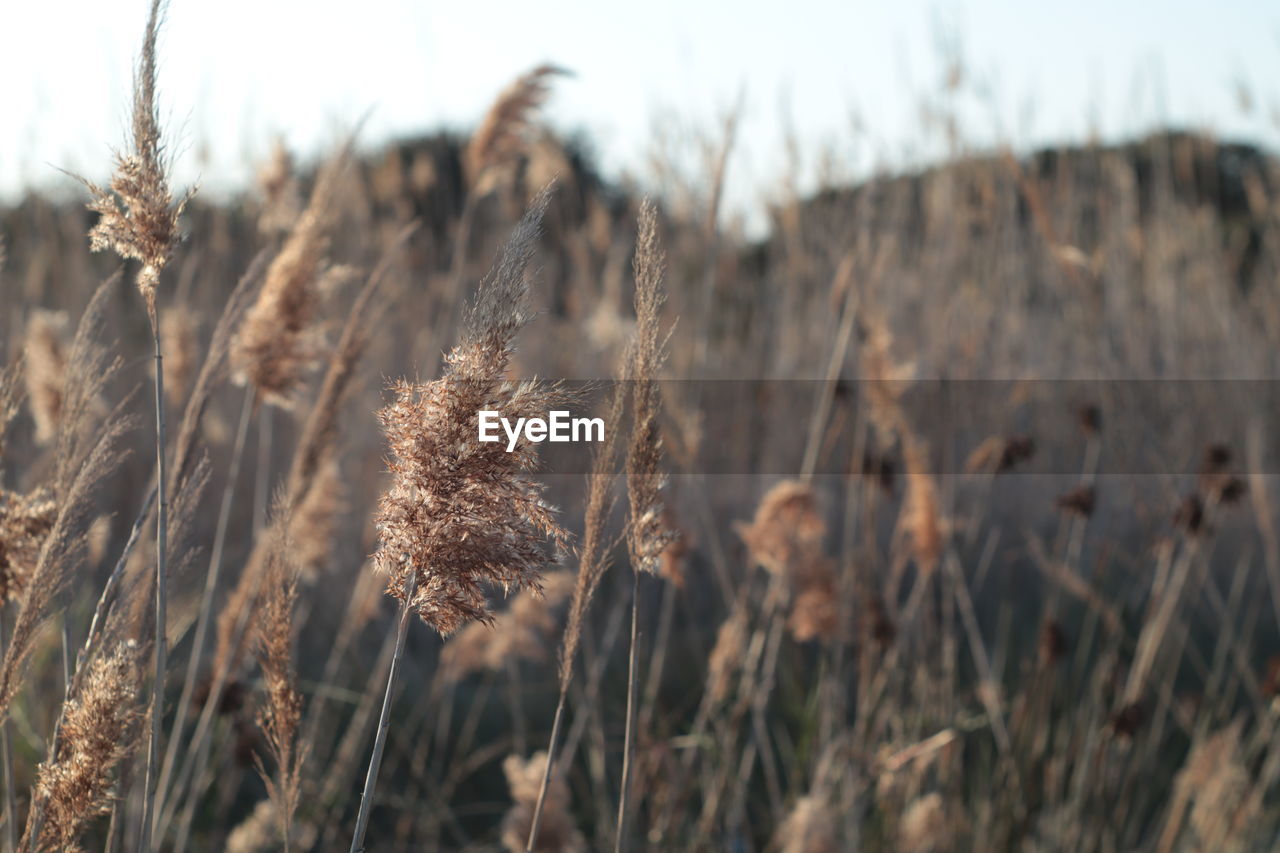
(6, 756)
(161, 611)
(384, 720)
(629, 744)
(263, 482)
(546, 771)
(206, 602)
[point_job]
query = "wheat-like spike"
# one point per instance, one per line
(282, 712)
(647, 532)
(503, 134)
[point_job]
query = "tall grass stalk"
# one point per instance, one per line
(384, 720)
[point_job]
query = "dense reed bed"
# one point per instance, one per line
(942, 518)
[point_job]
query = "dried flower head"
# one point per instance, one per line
(884, 380)
(278, 188)
(314, 522)
(138, 217)
(280, 715)
(98, 730)
(257, 832)
(25, 521)
(671, 562)
(556, 832)
(815, 611)
(278, 341)
(786, 533)
(504, 134)
(45, 359)
(460, 514)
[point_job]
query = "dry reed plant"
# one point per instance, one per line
(593, 561)
(281, 713)
(504, 133)
(138, 218)
(461, 515)
(99, 728)
(88, 451)
(278, 342)
(647, 534)
(865, 663)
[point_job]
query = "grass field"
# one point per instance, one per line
(942, 517)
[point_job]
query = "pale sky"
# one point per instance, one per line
(235, 73)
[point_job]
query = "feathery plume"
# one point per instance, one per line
(785, 537)
(460, 514)
(504, 134)
(786, 533)
(280, 715)
(138, 216)
(278, 188)
(98, 732)
(556, 832)
(45, 359)
(25, 522)
(87, 451)
(278, 342)
(593, 557)
(313, 525)
(647, 532)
